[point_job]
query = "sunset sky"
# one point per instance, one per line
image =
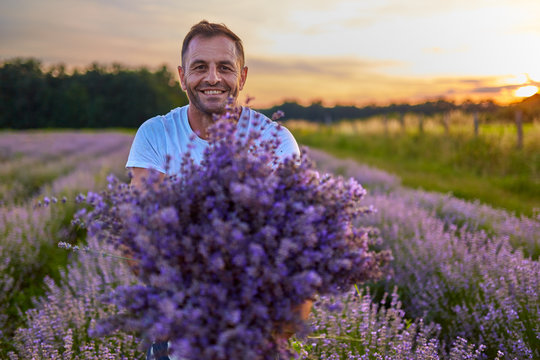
(340, 52)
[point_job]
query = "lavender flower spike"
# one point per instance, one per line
(226, 250)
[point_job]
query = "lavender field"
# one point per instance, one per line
(463, 283)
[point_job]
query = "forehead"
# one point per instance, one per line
(216, 48)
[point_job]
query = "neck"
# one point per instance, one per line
(199, 122)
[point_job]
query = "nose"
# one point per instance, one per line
(212, 77)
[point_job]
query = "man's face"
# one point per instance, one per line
(211, 73)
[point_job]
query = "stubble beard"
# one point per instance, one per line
(218, 109)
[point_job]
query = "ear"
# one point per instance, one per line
(182, 75)
(243, 77)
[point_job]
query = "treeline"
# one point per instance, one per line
(100, 96)
(35, 96)
(316, 112)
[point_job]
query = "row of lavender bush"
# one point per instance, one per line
(59, 326)
(32, 163)
(51, 166)
(458, 264)
(460, 274)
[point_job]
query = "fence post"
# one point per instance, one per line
(420, 123)
(385, 121)
(476, 124)
(519, 128)
(327, 119)
(445, 121)
(402, 121)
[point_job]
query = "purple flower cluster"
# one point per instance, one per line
(59, 326)
(365, 329)
(228, 249)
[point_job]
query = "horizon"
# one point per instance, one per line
(344, 53)
(69, 70)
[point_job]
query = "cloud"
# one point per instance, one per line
(316, 66)
(343, 51)
(499, 89)
(493, 89)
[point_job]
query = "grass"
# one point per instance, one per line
(487, 167)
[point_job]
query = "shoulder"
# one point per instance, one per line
(159, 124)
(269, 129)
(266, 125)
(259, 121)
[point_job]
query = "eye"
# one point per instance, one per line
(226, 68)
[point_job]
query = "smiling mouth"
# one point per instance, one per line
(213, 92)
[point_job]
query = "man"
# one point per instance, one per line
(213, 71)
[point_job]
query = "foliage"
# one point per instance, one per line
(32, 96)
(488, 167)
(479, 287)
(318, 113)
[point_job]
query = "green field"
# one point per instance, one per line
(488, 167)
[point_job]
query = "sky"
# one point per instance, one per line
(338, 52)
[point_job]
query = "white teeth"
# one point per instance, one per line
(213, 92)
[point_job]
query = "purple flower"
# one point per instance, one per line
(226, 250)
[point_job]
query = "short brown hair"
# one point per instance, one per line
(207, 29)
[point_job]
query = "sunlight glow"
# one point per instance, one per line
(521, 79)
(526, 91)
(534, 76)
(344, 51)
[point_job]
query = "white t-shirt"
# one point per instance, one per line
(170, 134)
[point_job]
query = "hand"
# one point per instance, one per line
(303, 310)
(132, 262)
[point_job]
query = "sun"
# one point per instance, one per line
(526, 91)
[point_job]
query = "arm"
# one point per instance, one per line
(304, 309)
(136, 182)
(139, 174)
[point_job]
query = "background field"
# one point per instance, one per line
(464, 275)
(488, 167)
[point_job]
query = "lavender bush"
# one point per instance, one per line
(25, 237)
(522, 232)
(47, 157)
(473, 216)
(59, 326)
(53, 164)
(364, 329)
(453, 263)
(229, 248)
(373, 179)
(452, 272)
(475, 286)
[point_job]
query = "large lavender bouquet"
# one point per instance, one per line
(227, 250)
